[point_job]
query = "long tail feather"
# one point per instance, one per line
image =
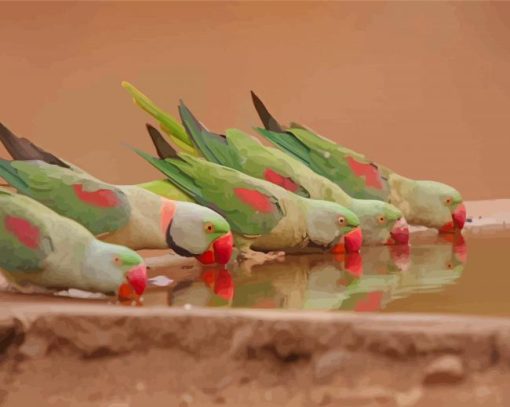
(163, 148)
(214, 147)
(23, 149)
(167, 164)
(168, 123)
(269, 122)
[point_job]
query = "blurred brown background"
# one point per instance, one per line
(421, 87)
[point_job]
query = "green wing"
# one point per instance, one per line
(100, 207)
(248, 206)
(241, 152)
(351, 171)
(167, 123)
(24, 239)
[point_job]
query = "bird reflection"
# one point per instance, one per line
(363, 283)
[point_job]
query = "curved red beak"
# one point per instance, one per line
(460, 249)
(457, 222)
(459, 216)
(224, 286)
(353, 241)
(219, 252)
(401, 256)
(400, 233)
(354, 264)
(137, 278)
(221, 282)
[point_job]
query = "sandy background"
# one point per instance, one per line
(422, 87)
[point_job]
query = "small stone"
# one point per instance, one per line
(444, 370)
(409, 398)
(34, 348)
(140, 386)
(329, 363)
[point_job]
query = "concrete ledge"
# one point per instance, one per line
(102, 355)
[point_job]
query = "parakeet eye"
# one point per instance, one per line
(209, 227)
(117, 261)
(449, 266)
(381, 219)
(448, 201)
(341, 221)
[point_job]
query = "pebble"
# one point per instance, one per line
(444, 370)
(329, 363)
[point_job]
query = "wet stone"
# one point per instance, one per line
(444, 370)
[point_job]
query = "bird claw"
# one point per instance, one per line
(252, 258)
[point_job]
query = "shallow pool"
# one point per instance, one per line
(436, 274)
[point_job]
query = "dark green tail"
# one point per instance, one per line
(214, 147)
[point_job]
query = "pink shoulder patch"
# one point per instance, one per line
(284, 182)
(167, 214)
(255, 199)
(27, 233)
(104, 198)
(368, 171)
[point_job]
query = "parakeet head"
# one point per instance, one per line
(381, 223)
(196, 231)
(115, 268)
(429, 203)
(328, 222)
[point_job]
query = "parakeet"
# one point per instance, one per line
(42, 248)
(380, 222)
(428, 203)
(127, 215)
(263, 216)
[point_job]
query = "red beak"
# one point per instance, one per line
(400, 233)
(460, 248)
(221, 282)
(220, 252)
(353, 241)
(401, 256)
(224, 286)
(459, 216)
(457, 222)
(354, 264)
(137, 278)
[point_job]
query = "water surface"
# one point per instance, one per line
(436, 274)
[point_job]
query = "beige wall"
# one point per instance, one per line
(421, 87)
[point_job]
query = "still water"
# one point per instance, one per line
(436, 274)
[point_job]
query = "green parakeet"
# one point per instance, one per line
(428, 203)
(42, 248)
(263, 216)
(381, 222)
(126, 215)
